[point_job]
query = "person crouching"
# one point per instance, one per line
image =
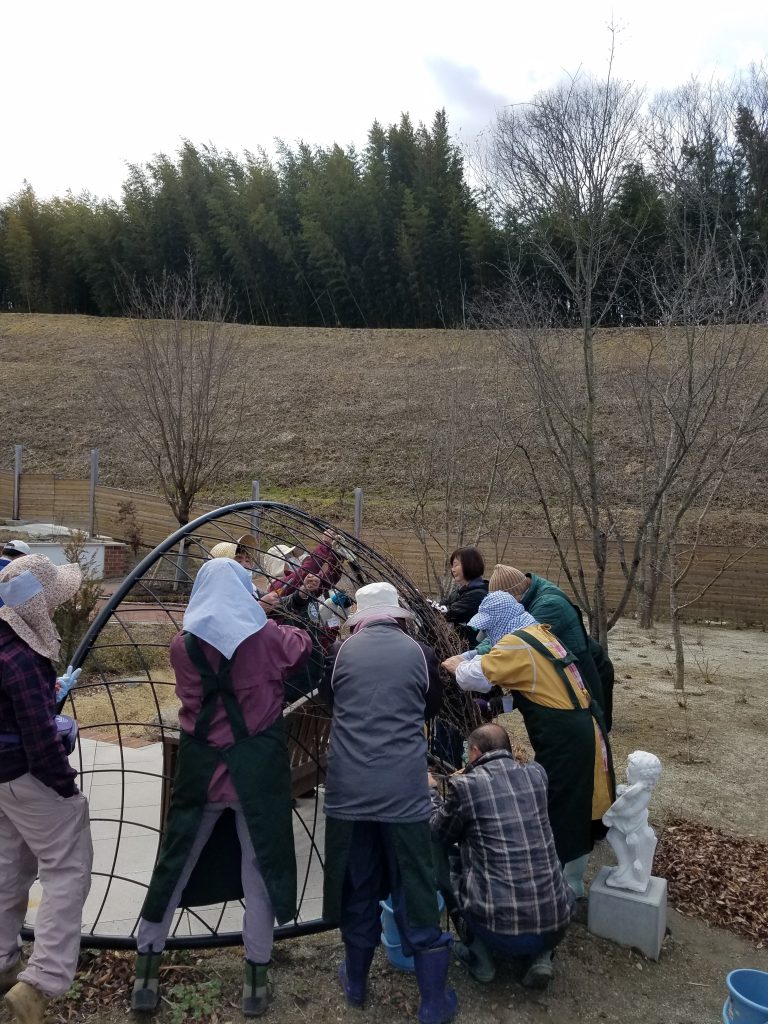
(510, 890)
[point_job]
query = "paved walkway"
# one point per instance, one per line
(123, 786)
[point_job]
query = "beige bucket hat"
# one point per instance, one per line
(32, 588)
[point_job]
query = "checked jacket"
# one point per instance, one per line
(511, 881)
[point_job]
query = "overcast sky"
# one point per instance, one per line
(87, 87)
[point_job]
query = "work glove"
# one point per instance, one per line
(65, 682)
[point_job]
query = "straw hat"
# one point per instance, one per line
(31, 589)
(224, 549)
(505, 577)
(378, 599)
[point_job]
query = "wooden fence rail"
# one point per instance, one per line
(739, 596)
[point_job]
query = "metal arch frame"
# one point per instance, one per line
(416, 600)
(241, 506)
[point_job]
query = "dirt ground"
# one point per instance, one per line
(714, 751)
(389, 388)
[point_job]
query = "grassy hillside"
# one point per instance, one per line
(329, 410)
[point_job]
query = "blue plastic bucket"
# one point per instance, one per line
(390, 934)
(747, 1001)
(389, 930)
(396, 955)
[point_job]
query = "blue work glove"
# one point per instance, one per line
(65, 682)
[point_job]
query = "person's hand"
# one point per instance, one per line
(329, 537)
(270, 601)
(312, 584)
(451, 664)
(433, 784)
(65, 682)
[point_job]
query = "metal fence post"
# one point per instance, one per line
(92, 492)
(358, 511)
(256, 513)
(17, 450)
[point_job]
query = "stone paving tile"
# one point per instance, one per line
(116, 797)
(132, 854)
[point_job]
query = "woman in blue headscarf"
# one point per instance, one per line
(565, 726)
(229, 832)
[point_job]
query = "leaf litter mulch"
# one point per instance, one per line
(717, 876)
(190, 986)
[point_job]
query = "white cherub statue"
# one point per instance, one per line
(630, 835)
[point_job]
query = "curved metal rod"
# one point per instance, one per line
(207, 940)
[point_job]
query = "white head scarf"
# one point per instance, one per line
(222, 609)
(499, 614)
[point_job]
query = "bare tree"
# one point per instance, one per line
(180, 386)
(702, 394)
(558, 163)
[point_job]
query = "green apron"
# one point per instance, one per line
(414, 852)
(260, 770)
(564, 745)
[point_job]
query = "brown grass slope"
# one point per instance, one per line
(329, 410)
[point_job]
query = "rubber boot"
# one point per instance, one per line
(26, 1003)
(145, 997)
(540, 970)
(474, 955)
(574, 875)
(353, 973)
(438, 1004)
(9, 976)
(257, 989)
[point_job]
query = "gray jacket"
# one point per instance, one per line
(382, 684)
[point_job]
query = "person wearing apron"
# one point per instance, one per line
(564, 725)
(377, 806)
(229, 832)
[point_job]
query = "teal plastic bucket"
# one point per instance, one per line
(747, 1001)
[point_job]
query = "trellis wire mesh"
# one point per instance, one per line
(127, 711)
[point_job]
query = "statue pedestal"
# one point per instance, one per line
(637, 919)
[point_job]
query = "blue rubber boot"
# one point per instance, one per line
(353, 973)
(438, 1004)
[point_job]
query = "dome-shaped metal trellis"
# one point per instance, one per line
(127, 711)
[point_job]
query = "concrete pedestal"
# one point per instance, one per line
(637, 919)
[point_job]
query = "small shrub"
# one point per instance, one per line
(133, 531)
(73, 617)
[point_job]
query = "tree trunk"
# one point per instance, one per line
(674, 615)
(653, 570)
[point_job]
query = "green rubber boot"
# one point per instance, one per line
(257, 989)
(145, 997)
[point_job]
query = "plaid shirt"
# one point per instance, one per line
(511, 880)
(27, 709)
